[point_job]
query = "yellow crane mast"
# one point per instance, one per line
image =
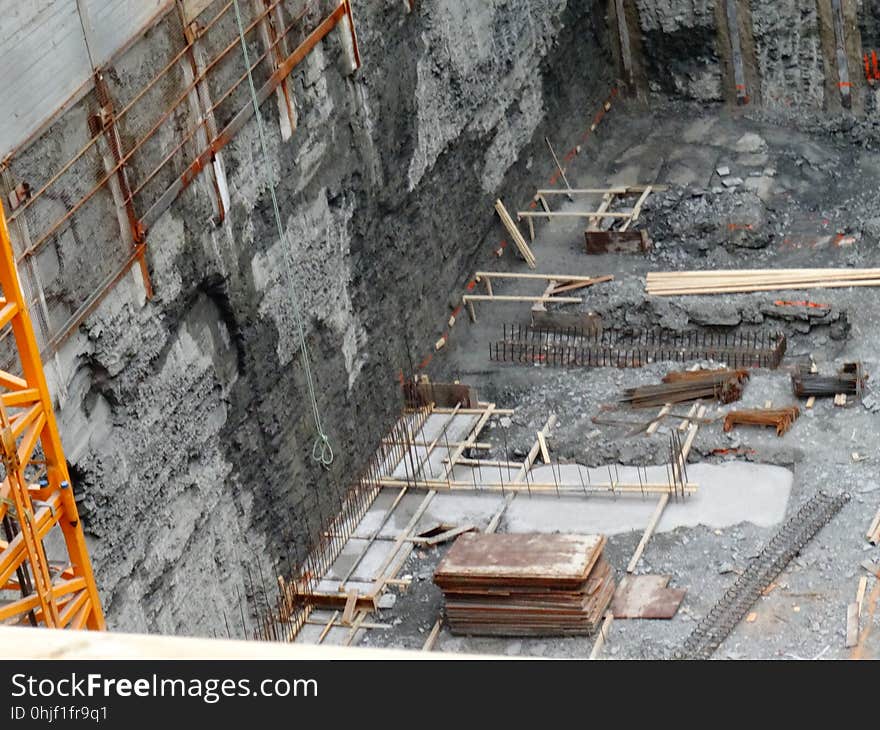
(36, 496)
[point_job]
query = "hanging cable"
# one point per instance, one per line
(322, 451)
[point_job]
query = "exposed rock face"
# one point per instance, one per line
(186, 418)
(679, 41)
(789, 51)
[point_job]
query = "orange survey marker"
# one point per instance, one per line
(872, 68)
(811, 305)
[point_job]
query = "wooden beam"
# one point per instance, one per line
(319, 599)
(664, 499)
(852, 625)
(350, 606)
(573, 214)
(533, 452)
(515, 234)
(621, 190)
(602, 636)
(480, 275)
(542, 443)
(432, 636)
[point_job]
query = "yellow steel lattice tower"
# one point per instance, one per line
(36, 496)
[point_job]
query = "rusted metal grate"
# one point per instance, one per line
(635, 348)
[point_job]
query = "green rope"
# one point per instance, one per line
(322, 451)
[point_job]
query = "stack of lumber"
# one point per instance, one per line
(779, 418)
(724, 385)
(674, 283)
(525, 585)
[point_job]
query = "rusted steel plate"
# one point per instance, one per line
(536, 559)
(617, 241)
(646, 596)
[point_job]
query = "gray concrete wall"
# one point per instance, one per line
(186, 418)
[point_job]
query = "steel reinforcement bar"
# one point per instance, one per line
(574, 347)
(739, 598)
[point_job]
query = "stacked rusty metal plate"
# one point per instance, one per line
(525, 585)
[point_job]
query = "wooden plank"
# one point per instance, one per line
(542, 443)
(623, 36)
(873, 533)
(480, 275)
(350, 606)
(448, 535)
(518, 298)
(655, 424)
(379, 584)
(637, 209)
(320, 599)
(515, 234)
(620, 190)
(328, 627)
(649, 530)
(510, 558)
(602, 636)
(432, 636)
(570, 285)
(539, 306)
(664, 499)
(559, 166)
(356, 626)
(496, 518)
(852, 625)
(860, 592)
(596, 221)
(573, 214)
(533, 452)
(469, 441)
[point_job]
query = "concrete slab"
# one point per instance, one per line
(458, 429)
(367, 567)
(461, 509)
(728, 495)
(374, 516)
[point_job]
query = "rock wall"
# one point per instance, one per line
(679, 42)
(186, 418)
(788, 49)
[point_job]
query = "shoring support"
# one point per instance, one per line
(843, 80)
(739, 76)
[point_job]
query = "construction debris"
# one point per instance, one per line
(780, 418)
(725, 386)
(646, 596)
(849, 381)
(525, 585)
